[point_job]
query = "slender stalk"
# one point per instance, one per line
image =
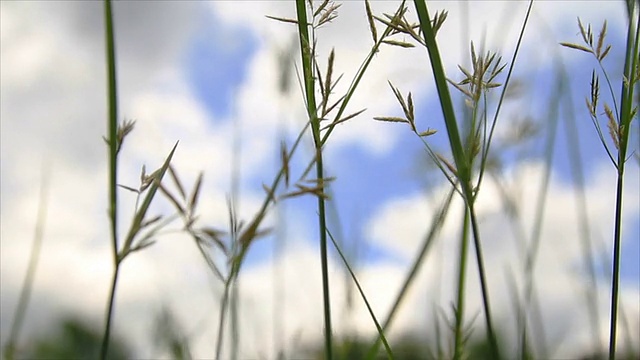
(307, 66)
(360, 74)
(616, 265)
(462, 271)
(630, 66)
(235, 195)
(113, 165)
(110, 309)
(483, 282)
(436, 225)
(504, 93)
(223, 313)
(364, 298)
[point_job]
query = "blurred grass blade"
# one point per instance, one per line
(27, 285)
(436, 224)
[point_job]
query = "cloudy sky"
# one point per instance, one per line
(206, 73)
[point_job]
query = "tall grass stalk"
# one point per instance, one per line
(459, 334)
(632, 75)
(34, 259)
(464, 157)
(112, 126)
(309, 86)
(463, 171)
(149, 183)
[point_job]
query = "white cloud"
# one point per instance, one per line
(400, 226)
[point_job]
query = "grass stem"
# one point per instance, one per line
(112, 122)
(462, 271)
(307, 66)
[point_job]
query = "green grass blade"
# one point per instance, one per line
(443, 92)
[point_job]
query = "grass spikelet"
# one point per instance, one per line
(193, 200)
(391, 119)
(372, 24)
(320, 8)
(176, 180)
(281, 19)
(401, 44)
(346, 118)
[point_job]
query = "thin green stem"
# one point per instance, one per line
(503, 94)
(615, 281)
(307, 67)
(361, 70)
(483, 282)
(113, 164)
(364, 298)
(110, 309)
(624, 126)
(436, 225)
(462, 271)
(223, 312)
(462, 162)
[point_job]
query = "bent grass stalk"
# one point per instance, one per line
(619, 123)
(364, 297)
(436, 224)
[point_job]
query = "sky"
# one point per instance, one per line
(206, 73)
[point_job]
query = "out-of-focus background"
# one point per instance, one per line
(210, 75)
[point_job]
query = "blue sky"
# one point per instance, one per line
(189, 70)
